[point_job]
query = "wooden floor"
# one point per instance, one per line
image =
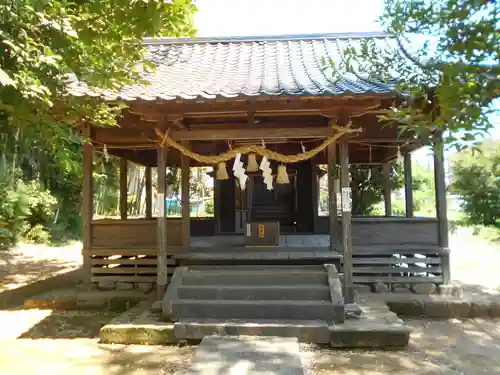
(298, 249)
(318, 241)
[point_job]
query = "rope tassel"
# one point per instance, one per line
(252, 165)
(221, 173)
(282, 177)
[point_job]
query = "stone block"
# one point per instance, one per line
(159, 334)
(401, 285)
(479, 309)
(361, 288)
(156, 308)
(124, 286)
(92, 303)
(494, 309)
(446, 309)
(411, 307)
(369, 335)
(400, 289)
(380, 288)
(145, 287)
(424, 288)
(106, 285)
(353, 311)
(450, 290)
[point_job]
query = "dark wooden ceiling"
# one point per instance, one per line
(285, 125)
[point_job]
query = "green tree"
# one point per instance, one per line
(476, 180)
(367, 186)
(424, 198)
(47, 43)
(44, 46)
(456, 68)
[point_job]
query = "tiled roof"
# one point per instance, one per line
(246, 67)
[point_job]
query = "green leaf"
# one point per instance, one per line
(5, 80)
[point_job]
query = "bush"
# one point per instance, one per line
(475, 179)
(14, 209)
(209, 207)
(37, 234)
(26, 211)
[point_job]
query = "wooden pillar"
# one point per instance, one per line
(87, 204)
(441, 207)
(149, 193)
(186, 221)
(123, 189)
(315, 194)
(346, 221)
(162, 223)
(332, 195)
(217, 202)
(386, 178)
(408, 185)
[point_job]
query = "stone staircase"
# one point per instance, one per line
(287, 301)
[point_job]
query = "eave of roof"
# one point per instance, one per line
(264, 38)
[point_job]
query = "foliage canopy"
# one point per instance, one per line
(44, 44)
(476, 180)
(450, 81)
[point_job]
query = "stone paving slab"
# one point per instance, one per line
(437, 306)
(250, 355)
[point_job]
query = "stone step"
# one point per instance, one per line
(255, 292)
(311, 331)
(255, 277)
(237, 309)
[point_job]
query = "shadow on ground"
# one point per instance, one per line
(25, 272)
(69, 325)
(447, 347)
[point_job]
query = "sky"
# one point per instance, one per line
(275, 17)
(279, 17)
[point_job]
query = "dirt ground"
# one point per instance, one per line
(61, 342)
(46, 342)
(28, 263)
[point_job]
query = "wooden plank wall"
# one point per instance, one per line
(125, 250)
(368, 231)
(393, 250)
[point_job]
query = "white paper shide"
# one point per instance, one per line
(239, 171)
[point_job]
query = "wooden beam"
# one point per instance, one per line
(261, 106)
(252, 133)
(346, 222)
(123, 189)
(441, 207)
(162, 223)
(87, 204)
(332, 195)
(185, 197)
(149, 193)
(386, 180)
(408, 185)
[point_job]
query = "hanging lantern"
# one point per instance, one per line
(252, 165)
(282, 177)
(221, 171)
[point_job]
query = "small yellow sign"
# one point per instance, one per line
(261, 230)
